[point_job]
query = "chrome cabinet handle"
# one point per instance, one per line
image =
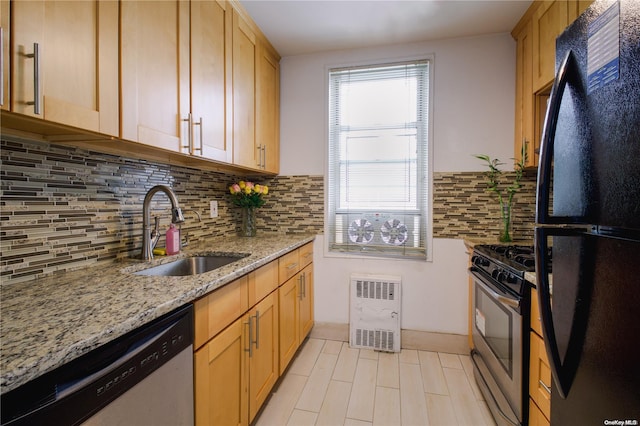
(257, 341)
(292, 265)
(250, 349)
(1, 66)
(36, 78)
(199, 123)
(545, 387)
(300, 288)
(189, 121)
(304, 284)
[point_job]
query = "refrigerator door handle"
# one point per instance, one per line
(562, 374)
(547, 140)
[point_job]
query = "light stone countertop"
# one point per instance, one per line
(48, 322)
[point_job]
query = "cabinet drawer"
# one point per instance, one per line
(540, 375)
(305, 254)
(219, 309)
(288, 266)
(536, 323)
(263, 281)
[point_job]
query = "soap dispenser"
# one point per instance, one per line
(173, 240)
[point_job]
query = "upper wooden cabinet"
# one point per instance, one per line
(210, 64)
(535, 37)
(192, 80)
(5, 37)
(244, 68)
(268, 108)
(64, 64)
(256, 100)
(154, 35)
(524, 139)
(549, 20)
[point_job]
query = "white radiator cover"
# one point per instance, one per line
(375, 312)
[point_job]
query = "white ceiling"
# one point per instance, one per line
(297, 27)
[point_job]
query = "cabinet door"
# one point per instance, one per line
(540, 375)
(210, 66)
(263, 359)
(268, 109)
(221, 379)
(549, 20)
(245, 152)
(288, 298)
(536, 418)
(525, 98)
(5, 36)
(305, 312)
(155, 75)
(77, 63)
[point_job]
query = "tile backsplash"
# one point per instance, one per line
(65, 208)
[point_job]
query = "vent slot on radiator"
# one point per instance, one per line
(375, 313)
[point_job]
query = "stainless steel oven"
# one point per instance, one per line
(501, 303)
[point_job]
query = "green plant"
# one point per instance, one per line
(494, 185)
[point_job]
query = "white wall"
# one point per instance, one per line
(474, 95)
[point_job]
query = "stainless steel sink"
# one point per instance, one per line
(193, 265)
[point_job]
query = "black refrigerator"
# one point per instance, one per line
(588, 212)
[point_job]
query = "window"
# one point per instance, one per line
(377, 169)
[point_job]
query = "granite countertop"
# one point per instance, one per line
(48, 322)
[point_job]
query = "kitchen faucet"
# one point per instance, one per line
(148, 232)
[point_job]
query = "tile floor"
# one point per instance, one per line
(332, 384)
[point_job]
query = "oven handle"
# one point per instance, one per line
(475, 353)
(505, 300)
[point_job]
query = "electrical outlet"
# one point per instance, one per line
(213, 209)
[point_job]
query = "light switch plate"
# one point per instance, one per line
(213, 209)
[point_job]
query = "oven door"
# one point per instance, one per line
(498, 349)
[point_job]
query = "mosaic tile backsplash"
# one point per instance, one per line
(64, 208)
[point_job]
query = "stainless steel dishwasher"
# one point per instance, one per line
(142, 378)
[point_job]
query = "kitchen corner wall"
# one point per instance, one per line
(64, 208)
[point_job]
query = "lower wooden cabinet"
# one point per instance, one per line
(246, 333)
(263, 352)
(235, 371)
(536, 418)
(296, 313)
(221, 378)
(540, 375)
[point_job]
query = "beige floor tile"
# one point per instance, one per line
(464, 401)
(440, 410)
(388, 372)
(355, 422)
(449, 360)
(432, 376)
(332, 347)
(306, 359)
(363, 391)
(467, 365)
(283, 401)
(347, 363)
(413, 405)
(386, 409)
(368, 354)
(316, 387)
(302, 418)
(409, 356)
(334, 407)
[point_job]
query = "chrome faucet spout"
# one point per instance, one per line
(147, 229)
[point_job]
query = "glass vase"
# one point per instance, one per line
(248, 224)
(505, 223)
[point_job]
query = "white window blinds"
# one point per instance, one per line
(377, 168)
